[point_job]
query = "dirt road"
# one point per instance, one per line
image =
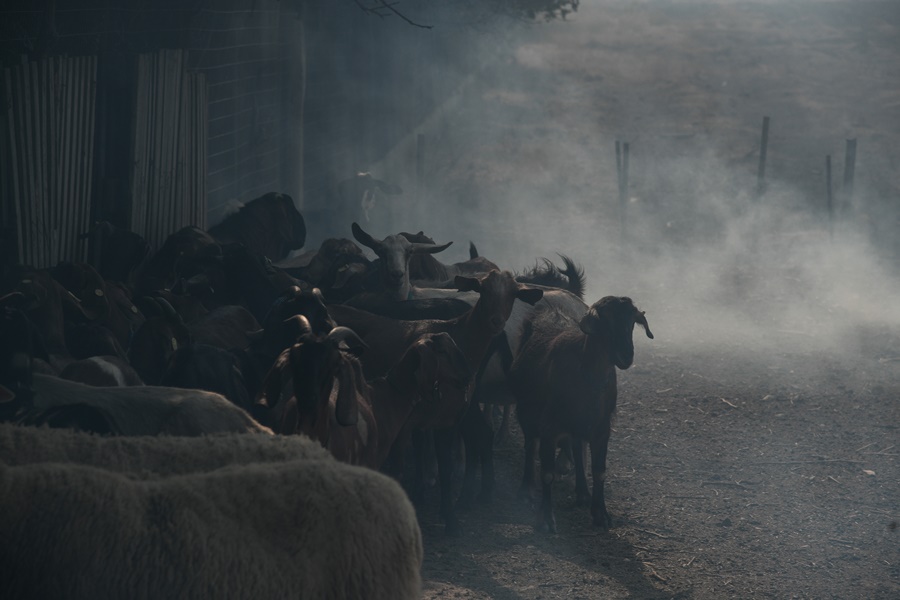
(755, 452)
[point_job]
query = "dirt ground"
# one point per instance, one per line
(735, 471)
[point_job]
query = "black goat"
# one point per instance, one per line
(564, 379)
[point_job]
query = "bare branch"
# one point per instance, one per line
(383, 5)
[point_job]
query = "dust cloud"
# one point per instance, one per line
(521, 161)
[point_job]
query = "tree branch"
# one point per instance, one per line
(383, 5)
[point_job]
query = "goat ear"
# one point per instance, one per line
(529, 295)
(467, 284)
(364, 238)
(591, 324)
(641, 320)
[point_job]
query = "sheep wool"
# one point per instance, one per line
(148, 457)
(296, 529)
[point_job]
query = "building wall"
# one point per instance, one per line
(302, 93)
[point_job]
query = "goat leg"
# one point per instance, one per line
(487, 465)
(582, 495)
(546, 520)
(471, 429)
(599, 445)
(503, 429)
(528, 475)
(417, 494)
(443, 450)
(395, 463)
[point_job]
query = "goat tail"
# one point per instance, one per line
(575, 274)
(473, 251)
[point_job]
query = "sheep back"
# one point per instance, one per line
(150, 457)
(311, 529)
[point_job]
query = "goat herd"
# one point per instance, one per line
(375, 362)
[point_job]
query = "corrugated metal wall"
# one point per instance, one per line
(47, 162)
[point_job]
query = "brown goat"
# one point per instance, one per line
(314, 388)
(564, 379)
(473, 333)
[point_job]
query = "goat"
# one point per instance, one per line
(46, 303)
(237, 276)
(204, 367)
(431, 372)
(106, 371)
(472, 332)
(280, 331)
(227, 327)
(395, 252)
(564, 381)
(491, 378)
(313, 389)
(313, 266)
(424, 267)
(101, 302)
(159, 272)
(121, 253)
(268, 226)
(157, 339)
(149, 410)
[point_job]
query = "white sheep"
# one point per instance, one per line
(298, 529)
(149, 410)
(150, 457)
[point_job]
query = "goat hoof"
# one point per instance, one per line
(546, 525)
(603, 521)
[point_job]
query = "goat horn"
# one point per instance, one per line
(167, 309)
(429, 248)
(345, 334)
(364, 238)
(13, 299)
(299, 325)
